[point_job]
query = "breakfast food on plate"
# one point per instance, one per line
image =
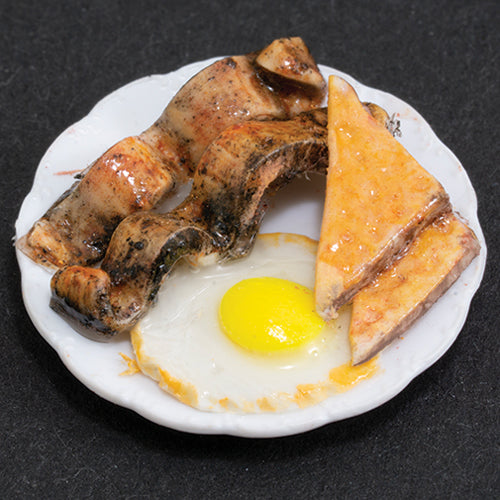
(401, 294)
(378, 198)
(222, 338)
(137, 172)
(235, 177)
(251, 335)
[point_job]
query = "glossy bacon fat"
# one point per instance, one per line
(219, 220)
(135, 174)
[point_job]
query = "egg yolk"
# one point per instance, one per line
(269, 314)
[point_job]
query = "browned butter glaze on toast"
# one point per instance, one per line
(378, 198)
(136, 173)
(401, 294)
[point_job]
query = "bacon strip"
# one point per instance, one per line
(136, 173)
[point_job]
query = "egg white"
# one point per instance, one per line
(180, 342)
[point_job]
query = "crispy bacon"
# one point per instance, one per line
(136, 173)
(236, 175)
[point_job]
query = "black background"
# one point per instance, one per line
(437, 439)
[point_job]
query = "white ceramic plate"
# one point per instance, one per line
(130, 110)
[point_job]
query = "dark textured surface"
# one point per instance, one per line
(437, 439)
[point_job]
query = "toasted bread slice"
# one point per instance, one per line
(377, 199)
(389, 305)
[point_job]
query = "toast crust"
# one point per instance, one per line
(401, 294)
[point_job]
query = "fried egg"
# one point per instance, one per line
(244, 336)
